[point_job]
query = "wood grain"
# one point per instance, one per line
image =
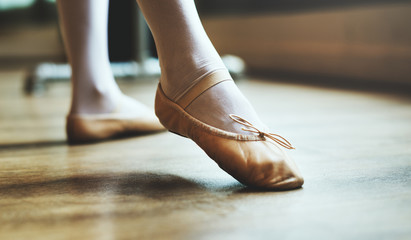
(352, 147)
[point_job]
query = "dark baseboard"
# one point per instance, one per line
(333, 81)
(235, 7)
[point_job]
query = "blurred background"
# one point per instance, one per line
(361, 41)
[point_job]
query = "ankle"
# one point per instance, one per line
(178, 80)
(94, 100)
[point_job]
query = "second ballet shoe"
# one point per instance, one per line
(84, 128)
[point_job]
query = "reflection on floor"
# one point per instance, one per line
(352, 147)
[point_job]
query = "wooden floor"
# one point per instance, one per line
(354, 149)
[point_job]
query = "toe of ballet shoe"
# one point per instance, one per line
(255, 163)
(276, 176)
(274, 169)
(99, 127)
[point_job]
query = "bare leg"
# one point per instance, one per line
(84, 28)
(186, 55)
(94, 90)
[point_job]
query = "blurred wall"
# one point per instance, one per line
(29, 33)
(361, 41)
(368, 42)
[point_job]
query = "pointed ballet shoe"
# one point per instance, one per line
(84, 128)
(255, 160)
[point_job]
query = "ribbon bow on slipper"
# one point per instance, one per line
(250, 128)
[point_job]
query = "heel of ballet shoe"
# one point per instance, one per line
(82, 130)
(168, 115)
(177, 134)
(75, 131)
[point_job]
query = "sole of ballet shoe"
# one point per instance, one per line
(254, 160)
(99, 127)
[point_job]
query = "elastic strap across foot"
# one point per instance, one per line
(207, 82)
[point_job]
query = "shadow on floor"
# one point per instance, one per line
(146, 184)
(36, 144)
(55, 143)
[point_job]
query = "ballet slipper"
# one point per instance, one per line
(257, 160)
(83, 128)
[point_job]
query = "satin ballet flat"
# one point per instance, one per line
(257, 160)
(86, 128)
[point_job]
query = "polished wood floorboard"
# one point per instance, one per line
(354, 149)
